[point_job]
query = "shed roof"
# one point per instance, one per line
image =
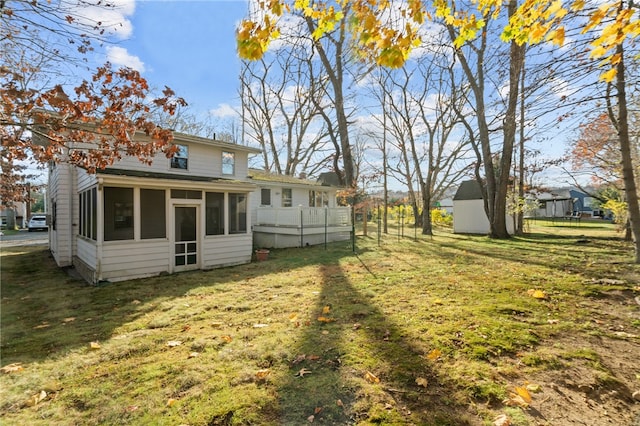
(468, 190)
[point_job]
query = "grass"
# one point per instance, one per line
(427, 331)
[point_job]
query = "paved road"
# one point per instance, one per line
(24, 238)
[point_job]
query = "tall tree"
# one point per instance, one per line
(92, 126)
(281, 96)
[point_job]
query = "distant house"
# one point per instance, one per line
(14, 216)
(295, 212)
(469, 216)
(566, 202)
(132, 220)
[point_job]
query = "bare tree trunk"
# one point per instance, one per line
(625, 150)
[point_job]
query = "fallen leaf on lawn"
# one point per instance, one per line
(298, 359)
(502, 420)
(339, 403)
(325, 332)
(537, 294)
(434, 354)
(260, 325)
(371, 378)
(194, 354)
(421, 381)
(35, 399)
(226, 338)
(534, 388)
(524, 393)
(136, 302)
(186, 327)
(171, 402)
(70, 319)
(262, 374)
(515, 400)
(311, 418)
(302, 372)
(317, 410)
(94, 345)
(43, 325)
(326, 309)
(293, 317)
(553, 321)
(324, 319)
(356, 326)
(438, 302)
(174, 343)
(132, 408)
(12, 368)
(313, 357)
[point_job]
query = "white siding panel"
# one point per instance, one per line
(61, 188)
(87, 252)
(130, 259)
(226, 250)
(85, 180)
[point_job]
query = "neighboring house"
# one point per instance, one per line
(469, 216)
(296, 212)
(14, 217)
(566, 202)
(132, 220)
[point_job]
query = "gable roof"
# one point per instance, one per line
(468, 190)
(183, 137)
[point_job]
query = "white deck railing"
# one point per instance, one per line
(303, 216)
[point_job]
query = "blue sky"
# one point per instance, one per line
(187, 45)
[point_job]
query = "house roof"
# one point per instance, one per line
(468, 190)
(183, 137)
(262, 176)
(156, 175)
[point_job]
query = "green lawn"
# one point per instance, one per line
(434, 331)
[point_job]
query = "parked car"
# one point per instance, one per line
(38, 222)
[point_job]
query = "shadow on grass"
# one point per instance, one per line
(349, 346)
(46, 313)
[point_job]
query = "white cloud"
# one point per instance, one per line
(119, 56)
(223, 110)
(113, 19)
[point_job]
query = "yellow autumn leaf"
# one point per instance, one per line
(171, 402)
(421, 381)
(326, 309)
(434, 354)
(324, 319)
(557, 36)
(94, 345)
(227, 338)
(262, 374)
(293, 317)
(371, 378)
(609, 75)
(524, 394)
(537, 294)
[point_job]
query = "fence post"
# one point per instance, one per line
(301, 228)
(326, 216)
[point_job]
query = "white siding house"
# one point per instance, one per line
(133, 220)
(296, 212)
(469, 216)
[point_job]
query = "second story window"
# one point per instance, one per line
(228, 163)
(265, 197)
(287, 199)
(180, 160)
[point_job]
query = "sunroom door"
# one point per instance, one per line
(185, 245)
